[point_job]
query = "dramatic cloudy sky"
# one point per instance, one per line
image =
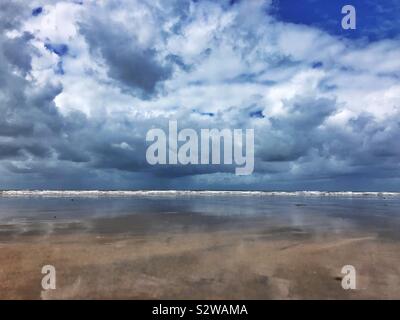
(81, 82)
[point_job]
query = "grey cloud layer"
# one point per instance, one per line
(208, 66)
(133, 67)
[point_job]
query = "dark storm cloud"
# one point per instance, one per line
(9, 151)
(292, 135)
(132, 66)
(374, 142)
(11, 13)
(29, 119)
(13, 50)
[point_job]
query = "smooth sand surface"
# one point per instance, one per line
(227, 261)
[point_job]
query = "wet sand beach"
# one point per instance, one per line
(186, 254)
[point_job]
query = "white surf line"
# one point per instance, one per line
(120, 193)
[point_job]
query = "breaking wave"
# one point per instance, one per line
(175, 193)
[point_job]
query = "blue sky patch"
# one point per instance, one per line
(37, 11)
(59, 49)
(375, 19)
(317, 65)
(256, 114)
(210, 114)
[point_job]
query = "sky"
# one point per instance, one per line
(82, 82)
